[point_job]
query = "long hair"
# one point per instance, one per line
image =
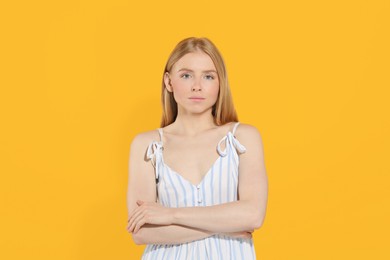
(223, 110)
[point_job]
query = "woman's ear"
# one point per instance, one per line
(167, 81)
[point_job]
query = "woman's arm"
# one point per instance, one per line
(168, 235)
(247, 213)
(142, 186)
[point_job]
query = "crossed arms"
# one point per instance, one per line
(151, 223)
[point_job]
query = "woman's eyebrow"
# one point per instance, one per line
(185, 69)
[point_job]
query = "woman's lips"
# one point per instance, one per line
(196, 98)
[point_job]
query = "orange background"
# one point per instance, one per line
(80, 78)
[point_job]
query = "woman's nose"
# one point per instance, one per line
(196, 86)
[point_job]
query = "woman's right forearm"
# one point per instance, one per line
(168, 235)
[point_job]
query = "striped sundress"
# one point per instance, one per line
(219, 185)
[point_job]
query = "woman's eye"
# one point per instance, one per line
(209, 77)
(186, 75)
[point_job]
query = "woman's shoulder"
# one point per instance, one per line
(143, 139)
(244, 128)
(248, 133)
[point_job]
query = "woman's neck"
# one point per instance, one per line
(191, 125)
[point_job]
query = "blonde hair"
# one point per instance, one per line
(223, 110)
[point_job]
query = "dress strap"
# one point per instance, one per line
(160, 131)
(230, 139)
(235, 127)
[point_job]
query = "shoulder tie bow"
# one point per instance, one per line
(154, 153)
(230, 138)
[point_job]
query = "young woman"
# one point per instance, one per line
(198, 186)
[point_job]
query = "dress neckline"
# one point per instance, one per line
(156, 148)
(208, 172)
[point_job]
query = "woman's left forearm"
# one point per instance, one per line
(234, 216)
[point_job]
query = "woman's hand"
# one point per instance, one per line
(151, 213)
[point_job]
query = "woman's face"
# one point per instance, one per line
(194, 82)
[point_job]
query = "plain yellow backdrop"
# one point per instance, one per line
(79, 79)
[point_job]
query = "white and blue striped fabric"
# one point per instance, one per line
(219, 185)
